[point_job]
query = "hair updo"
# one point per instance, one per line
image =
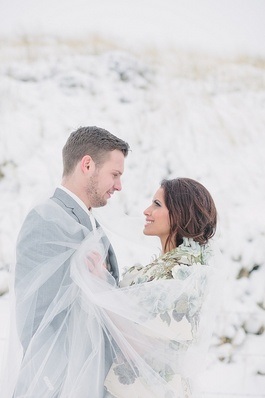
(192, 212)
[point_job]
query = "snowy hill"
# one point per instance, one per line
(186, 111)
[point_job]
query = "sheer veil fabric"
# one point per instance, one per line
(100, 340)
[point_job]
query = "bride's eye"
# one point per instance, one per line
(157, 203)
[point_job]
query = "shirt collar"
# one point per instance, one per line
(76, 199)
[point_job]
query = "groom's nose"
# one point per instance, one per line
(117, 185)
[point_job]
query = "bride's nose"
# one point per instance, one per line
(147, 211)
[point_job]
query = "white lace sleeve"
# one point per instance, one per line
(169, 335)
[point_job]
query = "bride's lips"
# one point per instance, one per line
(148, 222)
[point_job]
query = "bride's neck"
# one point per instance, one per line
(167, 247)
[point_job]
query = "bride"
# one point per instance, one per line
(167, 338)
(156, 325)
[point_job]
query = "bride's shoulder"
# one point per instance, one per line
(140, 274)
(131, 276)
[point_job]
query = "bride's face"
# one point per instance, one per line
(157, 217)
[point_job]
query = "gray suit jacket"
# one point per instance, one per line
(30, 251)
(75, 211)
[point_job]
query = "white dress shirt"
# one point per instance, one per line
(81, 204)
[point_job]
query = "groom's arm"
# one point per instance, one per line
(35, 248)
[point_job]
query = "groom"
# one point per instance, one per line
(93, 163)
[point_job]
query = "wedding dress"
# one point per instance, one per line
(155, 326)
(171, 296)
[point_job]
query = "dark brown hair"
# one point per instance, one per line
(93, 141)
(192, 211)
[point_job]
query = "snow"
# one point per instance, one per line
(227, 26)
(184, 84)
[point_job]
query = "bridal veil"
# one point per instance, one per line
(95, 336)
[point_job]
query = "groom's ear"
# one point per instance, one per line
(87, 164)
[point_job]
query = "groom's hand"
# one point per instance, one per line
(95, 264)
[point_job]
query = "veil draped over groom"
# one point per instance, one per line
(158, 331)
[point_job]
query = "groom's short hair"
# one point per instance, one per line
(93, 141)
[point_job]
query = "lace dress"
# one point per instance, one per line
(174, 301)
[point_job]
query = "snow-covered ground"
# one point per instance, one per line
(184, 84)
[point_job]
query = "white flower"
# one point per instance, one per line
(184, 260)
(190, 246)
(181, 271)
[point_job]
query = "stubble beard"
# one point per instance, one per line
(92, 193)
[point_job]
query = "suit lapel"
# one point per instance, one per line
(72, 207)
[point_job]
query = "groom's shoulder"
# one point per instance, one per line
(65, 201)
